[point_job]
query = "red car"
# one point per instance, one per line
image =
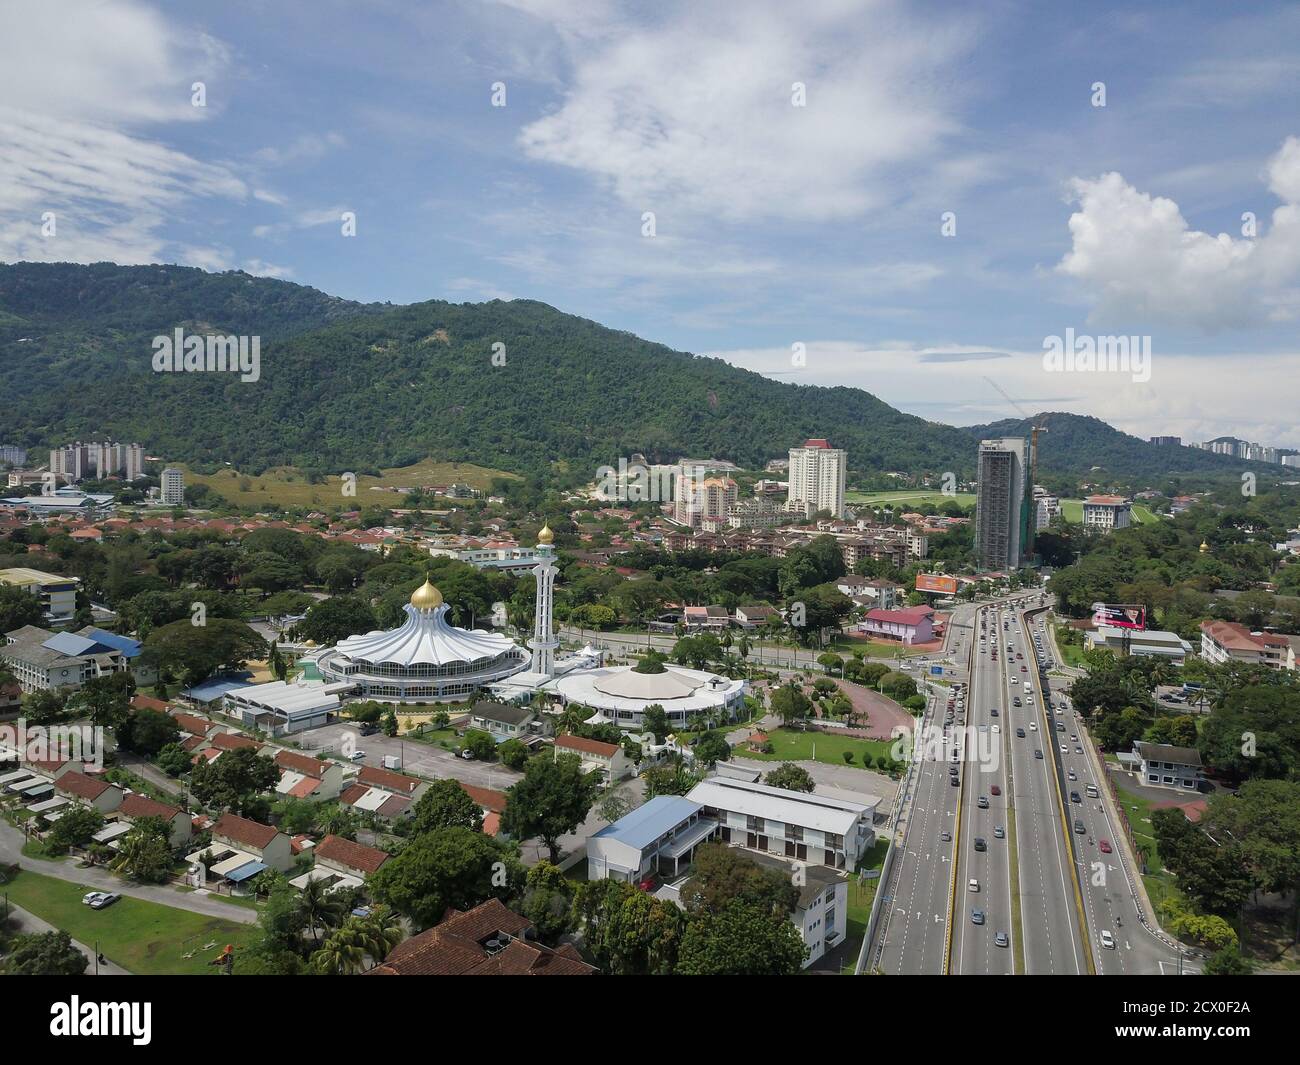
(995, 790)
(1103, 845)
(647, 885)
(1024, 669)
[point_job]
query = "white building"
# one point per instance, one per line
(1106, 513)
(1155, 643)
(825, 828)
(657, 839)
(1226, 641)
(173, 487)
(58, 595)
(817, 473)
(1163, 766)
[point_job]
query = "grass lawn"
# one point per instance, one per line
(862, 893)
(145, 938)
(791, 746)
(1160, 884)
(913, 497)
(1072, 654)
(288, 487)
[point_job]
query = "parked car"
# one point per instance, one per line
(105, 899)
(90, 896)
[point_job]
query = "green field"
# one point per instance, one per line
(914, 497)
(1160, 884)
(145, 938)
(791, 746)
(286, 486)
(1072, 510)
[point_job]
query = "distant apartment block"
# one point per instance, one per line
(817, 473)
(172, 491)
(1226, 641)
(1000, 510)
(100, 459)
(1166, 441)
(58, 595)
(13, 455)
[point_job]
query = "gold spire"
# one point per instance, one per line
(545, 536)
(426, 597)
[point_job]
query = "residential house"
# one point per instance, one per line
(259, 844)
(1227, 641)
(304, 777)
(489, 940)
(908, 626)
(180, 826)
(89, 791)
(608, 759)
(1161, 765)
(508, 721)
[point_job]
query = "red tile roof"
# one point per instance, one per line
(456, 947)
(233, 741)
(581, 743)
(388, 780)
(195, 726)
(82, 786)
(243, 831)
(354, 855)
(148, 702)
(302, 763)
(352, 794)
(485, 797)
(137, 805)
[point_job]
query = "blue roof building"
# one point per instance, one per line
(654, 840)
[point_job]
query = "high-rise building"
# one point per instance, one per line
(173, 486)
(1001, 509)
(133, 462)
(13, 454)
(1167, 441)
(102, 459)
(1046, 508)
(817, 478)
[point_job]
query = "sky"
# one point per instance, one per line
(909, 198)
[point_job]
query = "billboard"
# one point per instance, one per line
(1122, 615)
(936, 582)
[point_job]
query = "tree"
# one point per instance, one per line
(145, 853)
(790, 703)
(655, 719)
(18, 607)
(790, 776)
(450, 867)
(107, 698)
(628, 932)
(723, 875)
(513, 754)
(319, 907)
(195, 652)
(1228, 962)
(711, 748)
(479, 744)
(235, 781)
(898, 686)
(443, 805)
(669, 777)
(173, 760)
(337, 618)
(44, 954)
(740, 940)
(147, 732)
(548, 901)
(74, 829)
(552, 799)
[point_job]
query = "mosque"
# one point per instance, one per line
(427, 659)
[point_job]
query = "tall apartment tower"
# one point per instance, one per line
(173, 486)
(132, 462)
(1001, 511)
(817, 478)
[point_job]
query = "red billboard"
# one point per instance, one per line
(1120, 615)
(936, 582)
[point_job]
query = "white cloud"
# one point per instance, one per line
(1138, 258)
(692, 112)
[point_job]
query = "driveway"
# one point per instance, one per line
(414, 757)
(11, 846)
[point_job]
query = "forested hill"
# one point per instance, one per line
(347, 386)
(1076, 443)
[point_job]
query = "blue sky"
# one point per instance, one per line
(775, 224)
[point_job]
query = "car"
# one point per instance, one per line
(1060, 726)
(1078, 750)
(1103, 845)
(1019, 656)
(1065, 749)
(946, 837)
(983, 802)
(993, 711)
(357, 756)
(1076, 797)
(977, 917)
(1024, 669)
(1070, 773)
(1107, 940)
(1038, 755)
(1078, 827)
(954, 780)
(1033, 726)
(972, 884)
(467, 754)
(368, 729)
(106, 899)
(1001, 939)
(1016, 701)
(1074, 736)
(980, 845)
(999, 832)
(90, 896)
(996, 728)
(647, 884)
(1020, 733)
(995, 790)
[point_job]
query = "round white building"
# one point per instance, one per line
(425, 658)
(621, 694)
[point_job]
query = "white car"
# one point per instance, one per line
(1065, 749)
(996, 729)
(973, 885)
(90, 896)
(1033, 726)
(1107, 940)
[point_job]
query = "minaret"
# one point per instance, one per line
(544, 641)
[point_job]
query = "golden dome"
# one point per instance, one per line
(545, 536)
(1204, 546)
(426, 597)
(310, 643)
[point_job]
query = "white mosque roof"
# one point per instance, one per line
(426, 638)
(630, 684)
(619, 688)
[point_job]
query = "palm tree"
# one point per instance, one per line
(343, 952)
(382, 931)
(742, 645)
(318, 907)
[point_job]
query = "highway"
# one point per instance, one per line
(1108, 893)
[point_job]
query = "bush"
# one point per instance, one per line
(513, 754)
(479, 744)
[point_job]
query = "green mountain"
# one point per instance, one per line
(349, 386)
